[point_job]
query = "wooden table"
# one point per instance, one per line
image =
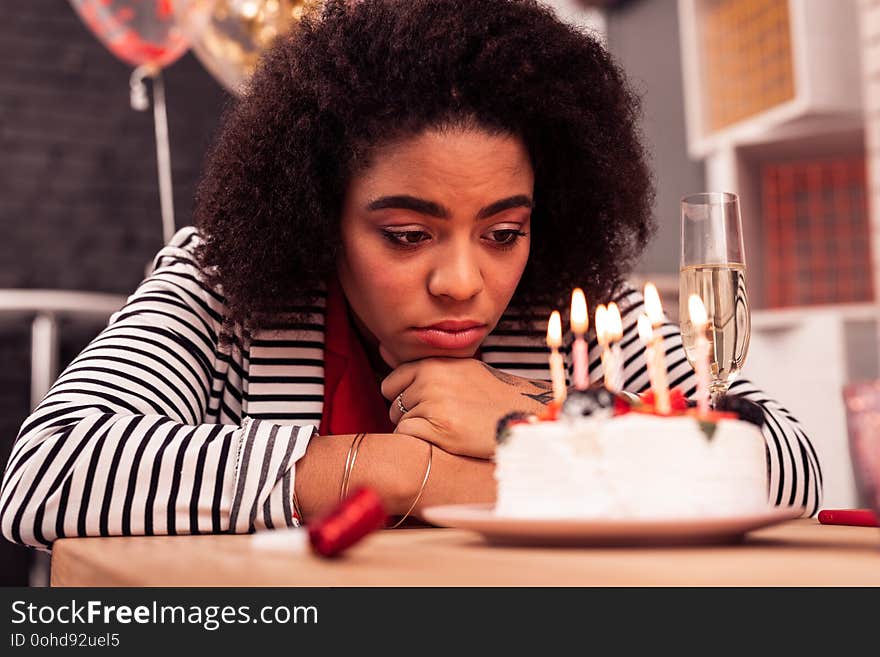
(796, 553)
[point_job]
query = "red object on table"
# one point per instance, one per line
(355, 517)
(857, 517)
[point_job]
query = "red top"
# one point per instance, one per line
(353, 402)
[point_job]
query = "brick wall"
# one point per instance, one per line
(79, 203)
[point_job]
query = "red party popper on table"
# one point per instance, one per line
(351, 520)
(854, 517)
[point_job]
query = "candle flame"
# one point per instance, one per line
(615, 324)
(652, 304)
(249, 9)
(646, 333)
(601, 323)
(554, 330)
(697, 311)
(579, 318)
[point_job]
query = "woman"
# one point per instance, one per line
(383, 222)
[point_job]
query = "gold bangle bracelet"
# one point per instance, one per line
(296, 509)
(421, 489)
(345, 468)
(354, 455)
(349, 464)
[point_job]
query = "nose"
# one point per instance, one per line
(456, 275)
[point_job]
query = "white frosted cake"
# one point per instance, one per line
(630, 466)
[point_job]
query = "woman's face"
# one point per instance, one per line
(435, 238)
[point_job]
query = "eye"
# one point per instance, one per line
(406, 237)
(506, 236)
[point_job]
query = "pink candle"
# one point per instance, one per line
(579, 324)
(699, 319)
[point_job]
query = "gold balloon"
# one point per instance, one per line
(228, 36)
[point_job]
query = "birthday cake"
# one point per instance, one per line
(602, 457)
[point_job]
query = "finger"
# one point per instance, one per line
(411, 400)
(399, 380)
(424, 368)
(419, 427)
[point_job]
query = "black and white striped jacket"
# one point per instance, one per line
(156, 429)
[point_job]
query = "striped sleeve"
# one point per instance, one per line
(795, 476)
(119, 445)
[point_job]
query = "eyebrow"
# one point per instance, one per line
(404, 202)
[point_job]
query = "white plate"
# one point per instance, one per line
(596, 532)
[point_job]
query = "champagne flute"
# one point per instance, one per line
(713, 266)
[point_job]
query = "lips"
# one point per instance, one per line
(454, 325)
(452, 334)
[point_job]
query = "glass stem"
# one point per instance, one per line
(715, 394)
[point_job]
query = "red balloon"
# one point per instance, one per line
(136, 31)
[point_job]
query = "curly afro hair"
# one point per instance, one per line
(359, 75)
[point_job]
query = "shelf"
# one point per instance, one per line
(764, 70)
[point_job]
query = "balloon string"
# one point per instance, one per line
(163, 157)
(140, 102)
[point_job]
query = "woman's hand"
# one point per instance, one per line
(394, 466)
(455, 403)
(455, 480)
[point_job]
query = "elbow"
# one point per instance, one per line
(13, 517)
(24, 502)
(21, 520)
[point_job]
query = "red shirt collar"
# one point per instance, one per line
(353, 402)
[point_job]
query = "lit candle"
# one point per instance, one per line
(557, 366)
(579, 324)
(601, 336)
(614, 333)
(646, 336)
(699, 320)
(601, 312)
(652, 305)
(654, 309)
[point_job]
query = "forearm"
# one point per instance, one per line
(793, 467)
(394, 466)
(78, 470)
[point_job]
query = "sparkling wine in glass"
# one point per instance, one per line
(713, 266)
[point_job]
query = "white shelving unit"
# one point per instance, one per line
(827, 87)
(870, 23)
(823, 115)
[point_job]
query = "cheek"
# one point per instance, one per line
(382, 277)
(380, 280)
(506, 274)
